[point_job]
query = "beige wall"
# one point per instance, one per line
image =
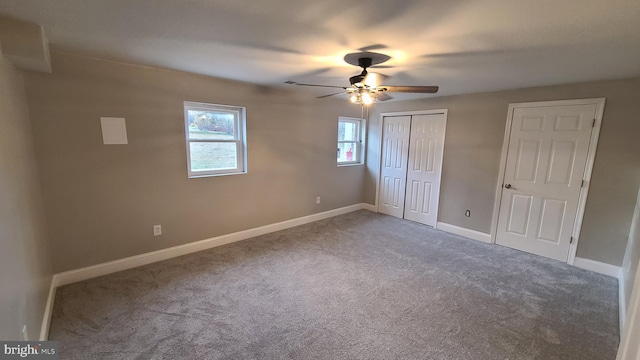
(632, 254)
(475, 131)
(25, 267)
(102, 201)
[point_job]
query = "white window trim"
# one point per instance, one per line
(362, 123)
(241, 141)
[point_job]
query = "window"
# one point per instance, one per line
(350, 143)
(215, 139)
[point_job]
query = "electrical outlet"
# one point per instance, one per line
(157, 230)
(467, 213)
(25, 334)
(318, 200)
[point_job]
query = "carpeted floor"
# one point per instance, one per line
(357, 286)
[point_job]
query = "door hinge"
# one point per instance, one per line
(582, 184)
(594, 123)
(571, 240)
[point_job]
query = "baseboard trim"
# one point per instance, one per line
(597, 266)
(622, 301)
(90, 272)
(468, 233)
(369, 207)
(48, 310)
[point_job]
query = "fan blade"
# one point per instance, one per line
(411, 89)
(384, 97)
(373, 47)
(315, 85)
(324, 96)
(462, 54)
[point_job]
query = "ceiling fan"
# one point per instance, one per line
(365, 88)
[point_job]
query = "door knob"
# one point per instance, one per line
(508, 186)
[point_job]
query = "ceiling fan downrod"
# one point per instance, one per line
(364, 63)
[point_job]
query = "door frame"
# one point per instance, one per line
(586, 177)
(629, 346)
(381, 132)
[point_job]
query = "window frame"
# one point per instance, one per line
(239, 126)
(360, 141)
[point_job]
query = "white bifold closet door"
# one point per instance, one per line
(412, 166)
(395, 155)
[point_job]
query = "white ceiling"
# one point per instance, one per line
(462, 45)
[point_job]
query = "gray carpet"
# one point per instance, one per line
(357, 286)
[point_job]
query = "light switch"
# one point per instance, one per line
(114, 130)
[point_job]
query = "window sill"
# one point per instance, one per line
(215, 175)
(351, 164)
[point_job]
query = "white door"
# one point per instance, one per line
(546, 159)
(426, 148)
(393, 175)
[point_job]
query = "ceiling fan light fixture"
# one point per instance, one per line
(362, 96)
(371, 80)
(367, 99)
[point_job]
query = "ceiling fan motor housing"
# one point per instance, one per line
(365, 62)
